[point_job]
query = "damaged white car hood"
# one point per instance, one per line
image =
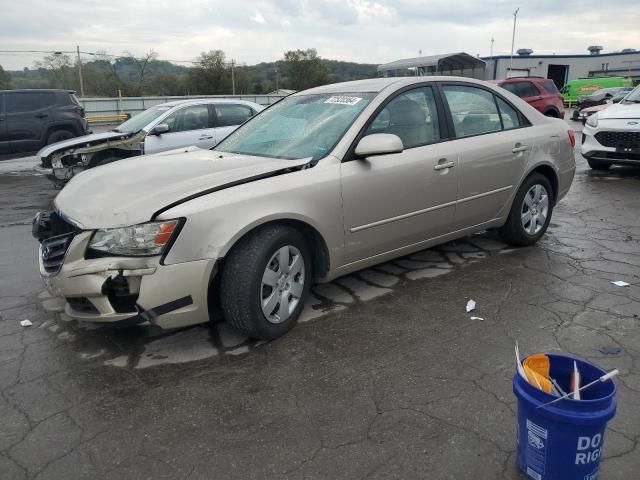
(130, 191)
(80, 141)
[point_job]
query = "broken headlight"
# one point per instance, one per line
(144, 239)
(592, 120)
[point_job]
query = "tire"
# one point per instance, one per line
(598, 164)
(243, 290)
(517, 231)
(59, 136)
(551, 113)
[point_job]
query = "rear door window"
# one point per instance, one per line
(20, 102)
(521, 89)
(529, 89)
(473, 110)
(228, 115)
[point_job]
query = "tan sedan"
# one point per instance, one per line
(323, 183)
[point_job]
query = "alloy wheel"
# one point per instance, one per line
(282, 284)
(535, 209)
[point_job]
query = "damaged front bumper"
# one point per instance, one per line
(126, 289)
(58, 173)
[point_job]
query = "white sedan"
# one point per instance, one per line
(201, 123)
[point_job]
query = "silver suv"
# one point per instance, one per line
(323, 183)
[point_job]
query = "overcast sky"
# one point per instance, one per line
(375, 31)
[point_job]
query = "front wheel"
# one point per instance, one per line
(530, 213)
(265, 281)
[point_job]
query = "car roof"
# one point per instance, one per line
(196, 101)
(376, 85)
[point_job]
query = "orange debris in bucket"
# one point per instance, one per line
(536, 368)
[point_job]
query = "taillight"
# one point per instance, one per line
(572, 138)
(79, 111)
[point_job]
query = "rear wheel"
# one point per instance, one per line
(265, 281)
(598, 164)
(59, 136)
(530, 213)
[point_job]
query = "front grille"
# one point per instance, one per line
(619, 139)
(53, 250)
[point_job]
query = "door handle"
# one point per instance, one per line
(443, 164)
(520, 148)
(41, 115)
(206, 137)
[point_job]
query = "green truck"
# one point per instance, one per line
(586, 86)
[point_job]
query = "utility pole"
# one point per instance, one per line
(277, 75)
(233, 78)
(492, 40)
(80, 71)
(513, 39)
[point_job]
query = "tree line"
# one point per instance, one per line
(212, 73)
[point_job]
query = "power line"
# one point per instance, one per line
(97, 54)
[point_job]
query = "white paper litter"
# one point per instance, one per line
(26, 323)
(471, 306)
(620, 283)
(477, 318)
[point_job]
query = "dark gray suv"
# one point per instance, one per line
(30, 119)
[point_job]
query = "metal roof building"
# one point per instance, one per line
(562, 68)
(460, 63)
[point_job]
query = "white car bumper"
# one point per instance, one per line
(615, 141)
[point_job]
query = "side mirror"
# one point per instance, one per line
(159, 129)
(379, 144)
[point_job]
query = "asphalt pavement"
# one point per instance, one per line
(385, 377)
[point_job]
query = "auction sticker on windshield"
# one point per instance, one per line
(343, 100)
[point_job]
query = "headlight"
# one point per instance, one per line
(592, 120)
(144, 239)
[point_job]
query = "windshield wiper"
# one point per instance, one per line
(116, 130)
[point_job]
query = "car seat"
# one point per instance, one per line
(407, 121)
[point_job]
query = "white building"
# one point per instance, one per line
(562, 68)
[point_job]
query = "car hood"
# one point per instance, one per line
(596, 108)
(132, 190)
(620, 110)
(82, 140)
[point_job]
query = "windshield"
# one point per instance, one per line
(296, 127)
(633, 96)
(137, 123)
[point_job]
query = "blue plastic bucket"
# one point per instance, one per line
(563, 441)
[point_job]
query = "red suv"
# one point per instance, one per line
(539, 92)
